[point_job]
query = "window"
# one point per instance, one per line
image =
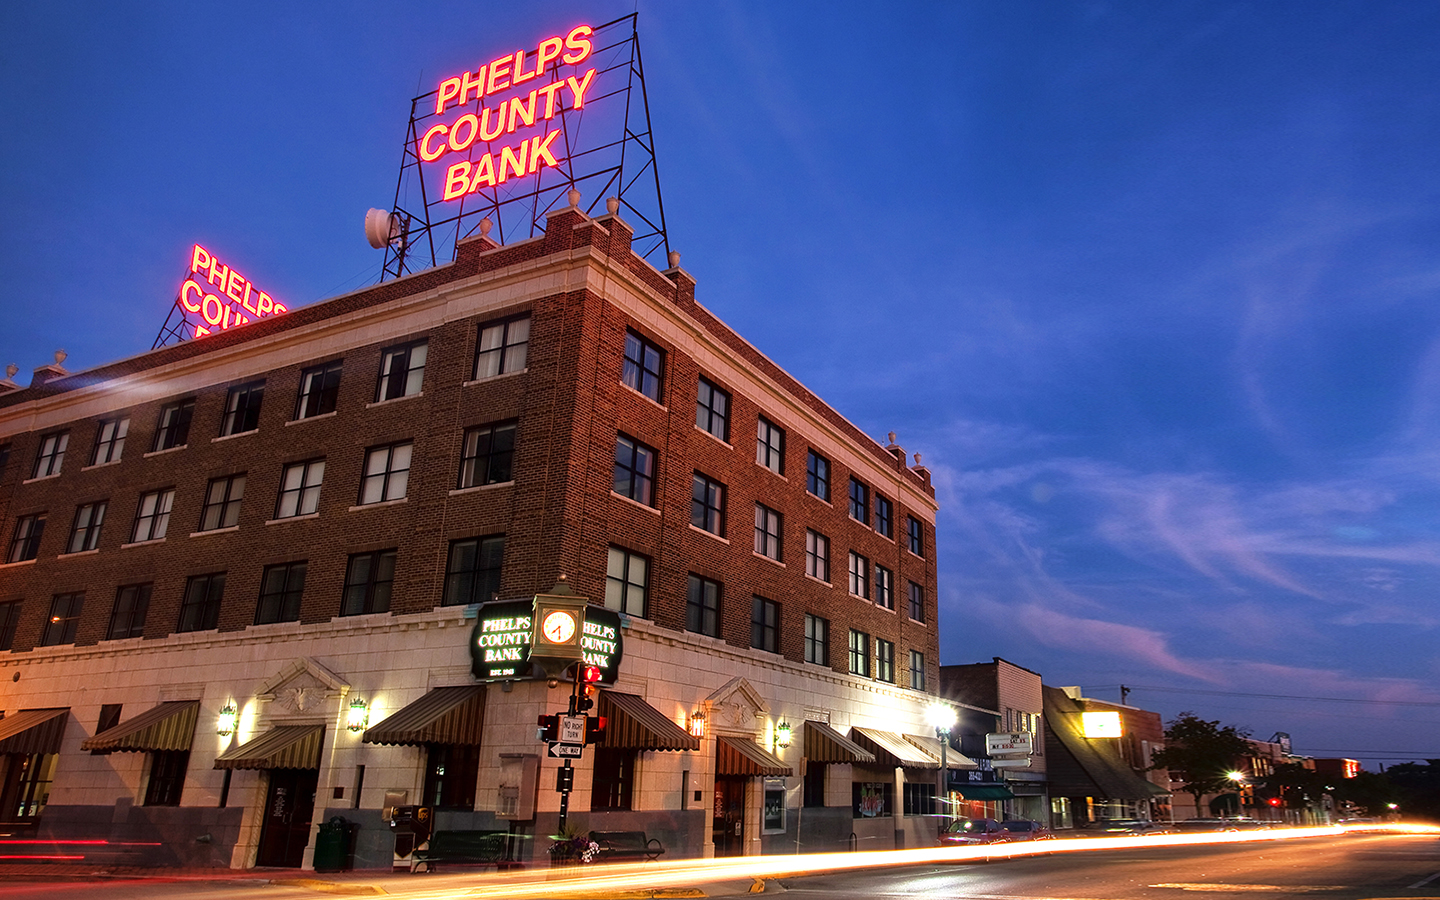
(917, 670)
(764, 624)
(502, 347)
(817, 640)
(319, 389)
(26, 786)
(242, 408)
(885, 660)
(884, 588)
(127, 619)
(859, 502)
(712, 410)
(109, 716)
(641, 371)
(859, 653)
(222, 502)
(919, 798)
(281, 587)
(85, 534)
(387, 473)
(767, 532)
(200, 610)
(451, 771)
(152, 516)
(472, 573)
(817, 555)
(707, 504)
(64, 619)
(174, 427)
(872, 799)
(9, 618)
(51, 455)
(487, 455)
(627, 578)
(814, 783)
(110, 441)
(634, 469)
(167, 777)
(770, 446)
(368, 578)
(25, 544)
(300, 485)
(702, 606)
(917, 602)
(884, 517)
(402, 371)
(859, 576)
(613, 784)
(817, 475)
(916, 533)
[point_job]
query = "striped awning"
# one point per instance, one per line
(892, 749)
(824, 744)
(930, 746)
(633, 724)
(740, 756)
(985, 792)
(34, 731)
(282, 747)
(169, 726)
(447, 715)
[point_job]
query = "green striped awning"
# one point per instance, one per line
(169, 726)
(33, 731)
(282, 747)
(824, 744)
(633, 724)
(985, 792)
(445, 715)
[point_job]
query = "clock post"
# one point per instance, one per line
(556, 644)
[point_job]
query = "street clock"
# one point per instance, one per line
(559, 626)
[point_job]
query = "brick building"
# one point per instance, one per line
(221, 555)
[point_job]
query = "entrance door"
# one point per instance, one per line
(288, 809)
(729, 821)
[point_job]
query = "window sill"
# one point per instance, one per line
(166, 450)
(40, 478)
(766, 468)
(314, 515)
(887, 609)
(113, 462)
(393, 400)
(710, 534)
(330, 415)
(770, 559)
(482, 487)
(142, 543)
(78, 553)
(489, 378)
(914, 554)
(914, 621)
(861, 522)
(662, 407)
(635, 503)
(721, 441)
(23, 562)
(855, 596)
(378, 503)
(818, 580)
(229, 437)
(814, 496)
(225, 530)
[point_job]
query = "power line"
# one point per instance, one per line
(1369, 700)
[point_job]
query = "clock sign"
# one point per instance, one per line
(559, 627)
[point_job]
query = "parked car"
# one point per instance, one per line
(967, 832)
(1232, 823)
(1026, 830)
(1118, 827)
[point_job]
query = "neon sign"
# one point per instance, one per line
(492, 122)
(235, 300)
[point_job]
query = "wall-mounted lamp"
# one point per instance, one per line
(358, 715)
(228, 719)
(782, 734)
(697, 723)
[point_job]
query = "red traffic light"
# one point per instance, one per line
(592, 674)
(1274, 801)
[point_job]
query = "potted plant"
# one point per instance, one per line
(572, 846)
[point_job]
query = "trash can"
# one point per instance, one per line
(335, 846)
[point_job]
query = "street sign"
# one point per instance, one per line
(1013, 742)
(1011, 763)
(572, 730)
(562, 749)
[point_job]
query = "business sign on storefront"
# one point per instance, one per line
(1016, 742)
(501, 640)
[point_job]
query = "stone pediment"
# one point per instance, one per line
(304, 686)
(734, 707)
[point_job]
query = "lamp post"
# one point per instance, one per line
(942, 716)
(1239, 780)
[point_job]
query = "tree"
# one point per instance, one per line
(1419, 788)
(1202, 753)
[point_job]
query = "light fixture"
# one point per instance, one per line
(697, 723)
(782, 734)
(942, 716)
(229, 718)
(1101, 724)
(358, 715)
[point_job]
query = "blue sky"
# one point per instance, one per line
(1152, 287)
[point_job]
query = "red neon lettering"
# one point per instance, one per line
(185, 290)
(456, 142)
(467, 85)
(219, 277)
(245, 301)
(457, 180)
(521, 76)
(499, 69)
(578, 43)
(540, 146)
(279, 308)
(425, 152)
(448, 90)
(578, 89)
(486, 134)
(266, 306)
(225, 319)
(196, 261)
(547, 52)
(484, 173)
(518, 110)
(205, 309)
(512, 162)
(232, 285)
(201, 331)
(548, 92)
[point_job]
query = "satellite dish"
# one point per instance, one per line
(381, 227)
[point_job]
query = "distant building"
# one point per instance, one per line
(999, 697)
(1094, 778)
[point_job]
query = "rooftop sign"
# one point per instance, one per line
(215, 297)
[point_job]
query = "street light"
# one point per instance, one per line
(942, 716)
(1239, 779)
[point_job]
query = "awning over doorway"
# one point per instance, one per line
(169, 726)
(446, 715)
(824, 744)
(985, 792)
(893, 750)
(282, 747)
(633, 724)
(34, 731)
(740, 756)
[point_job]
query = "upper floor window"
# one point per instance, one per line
(51, 455)
(487, 455)
(884, 516)
(200, 609)
(9, 619)
(634, 470)
(402, 371)
(387, 473)
(859, 502)
(915, 531)
(627, 580)
(222, 502)
(767, 532)
(281, 588)
(127, 618)
(472, 572)
(884, 588)
(817, 640)
(817, 555)
(770, 446)
(110, 441)
(702, 606)
(643, 361)
(817, 475)
(502, 347)
(64, 620)
(25, 543)
(712, 410)
(319, 390)
(859, 653)
(152, 516)
(859, 576)
(85, 534)
(884, 660)
(764, 624)
(917, 670)
(707, 504)
(368, 579)
(300, 485)
(242, 408)
(173, 429)
(917, 602)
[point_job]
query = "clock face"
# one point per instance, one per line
(558, 627)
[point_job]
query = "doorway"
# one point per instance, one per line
(289, 806)
(729, 821)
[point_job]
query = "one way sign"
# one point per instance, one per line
(562, 749)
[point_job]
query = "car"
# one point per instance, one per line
(1231, 823)
(968, 832)
(1119, 827)
(1026, 830)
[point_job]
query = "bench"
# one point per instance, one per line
(618, 845)
(470, 848)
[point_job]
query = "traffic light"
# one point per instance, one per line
(592, 674)
(547, 728)
(587, 699)
(595, 730)
(1274, 801)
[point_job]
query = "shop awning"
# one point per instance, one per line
(633, 724)
(282, 747)
(169, 726)
(892, 749)
(985, 792)
(824, 744)
(930, 746)
(741, 756)
(447, 715)
(34, 731)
